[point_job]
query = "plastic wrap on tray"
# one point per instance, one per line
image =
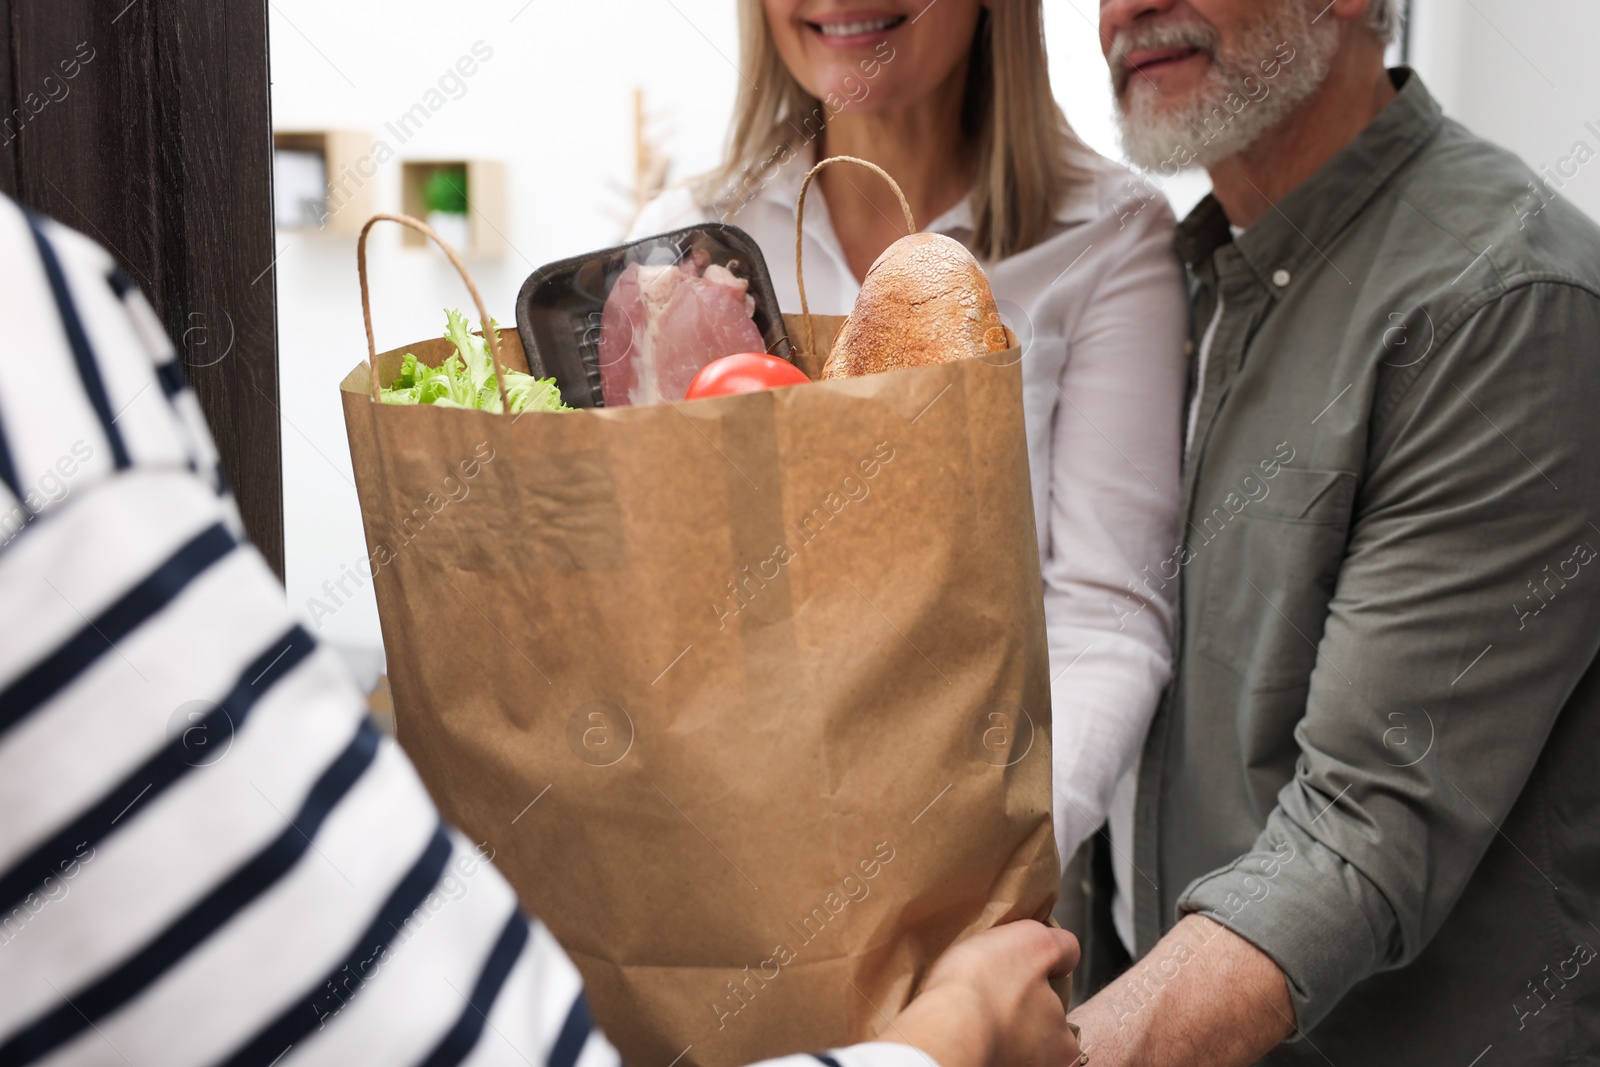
(633, 324)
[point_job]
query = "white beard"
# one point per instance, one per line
(1235, 103)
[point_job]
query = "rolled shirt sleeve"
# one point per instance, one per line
(1466, 610)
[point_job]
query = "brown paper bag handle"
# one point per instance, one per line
(489, 334)
(799, 219)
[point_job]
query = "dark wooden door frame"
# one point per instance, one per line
(147, 125)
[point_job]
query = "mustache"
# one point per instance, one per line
(1151, 35)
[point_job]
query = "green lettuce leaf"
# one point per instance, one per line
(466, 378)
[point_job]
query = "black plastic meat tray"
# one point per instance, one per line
(559, 305)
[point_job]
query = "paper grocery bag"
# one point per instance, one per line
(747, 696)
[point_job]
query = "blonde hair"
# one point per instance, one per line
(1025, 150)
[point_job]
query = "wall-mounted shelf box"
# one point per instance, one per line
(348, 168)
(486, 202)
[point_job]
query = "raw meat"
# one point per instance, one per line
(661, 324)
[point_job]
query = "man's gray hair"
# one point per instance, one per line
(1383, 17)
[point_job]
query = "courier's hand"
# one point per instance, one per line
(988, 1002)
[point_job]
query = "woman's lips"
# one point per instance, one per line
(855, 29)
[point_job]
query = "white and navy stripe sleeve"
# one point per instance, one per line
(208, 855)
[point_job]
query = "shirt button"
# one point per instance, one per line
(1280, 277)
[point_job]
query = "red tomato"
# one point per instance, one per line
(744, 372)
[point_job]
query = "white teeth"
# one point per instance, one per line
(852, 29)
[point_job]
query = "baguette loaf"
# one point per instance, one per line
(924, 301)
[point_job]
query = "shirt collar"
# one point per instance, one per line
(1310, 217)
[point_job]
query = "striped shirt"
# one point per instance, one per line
(207, 853)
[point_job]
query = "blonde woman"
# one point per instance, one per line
(953, 99)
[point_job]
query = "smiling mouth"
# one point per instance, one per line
(857, 28)
(1143, 62)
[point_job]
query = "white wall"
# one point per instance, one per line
(555, 103)
(1522, 73)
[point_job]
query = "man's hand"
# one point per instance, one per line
(988, 1002)
(1203, 997)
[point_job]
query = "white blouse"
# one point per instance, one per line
(1102, 313)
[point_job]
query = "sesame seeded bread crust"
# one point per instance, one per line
(924, 301)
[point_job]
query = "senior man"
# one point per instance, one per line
(1367, 817)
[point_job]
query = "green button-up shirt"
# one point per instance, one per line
(1379, 758)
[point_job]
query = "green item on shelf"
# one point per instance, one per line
(446, 190)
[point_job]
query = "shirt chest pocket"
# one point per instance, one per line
(1271, 576)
